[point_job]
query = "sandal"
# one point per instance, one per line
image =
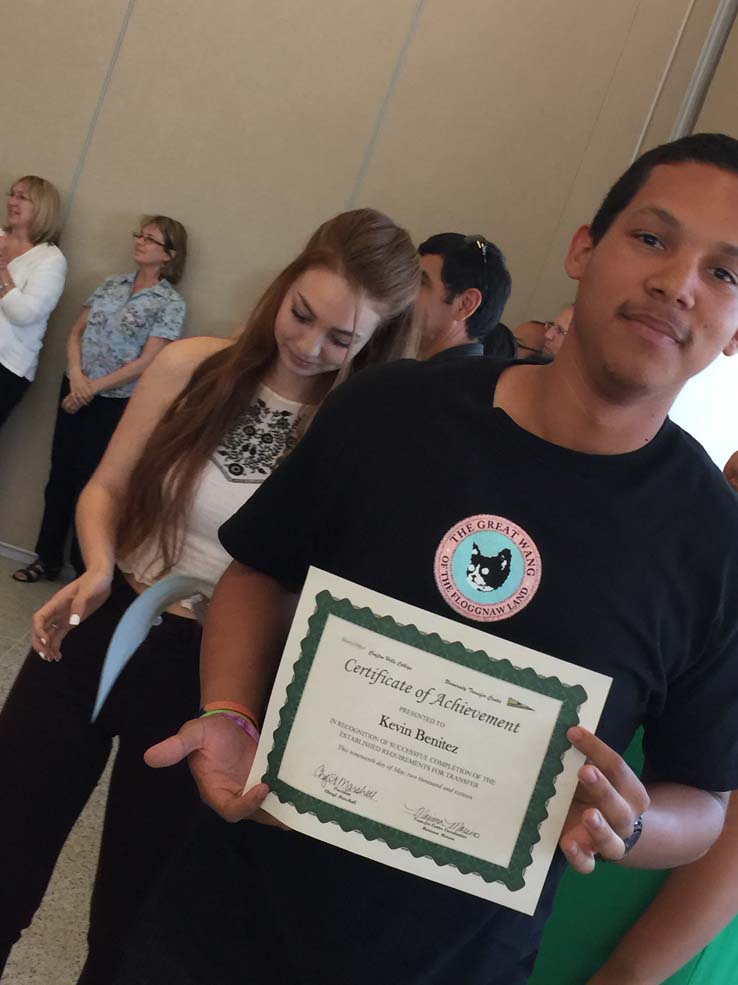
(35, 572)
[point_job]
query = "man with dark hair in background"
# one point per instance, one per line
(464, 286)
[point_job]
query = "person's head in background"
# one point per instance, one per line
(541, 340)
(464, 286)
(33, 210)
(160, 243)
(556, 331)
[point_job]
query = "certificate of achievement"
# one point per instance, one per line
(422, 743)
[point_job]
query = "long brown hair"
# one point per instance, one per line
(379, 261)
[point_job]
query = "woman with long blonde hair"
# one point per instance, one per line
(207, 423)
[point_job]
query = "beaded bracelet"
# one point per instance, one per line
(245, 724)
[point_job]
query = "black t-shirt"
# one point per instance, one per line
(411, 483)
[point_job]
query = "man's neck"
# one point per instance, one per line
(452, 336)
(558, 403)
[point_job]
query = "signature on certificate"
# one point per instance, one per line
(441, 825)
(341, 785)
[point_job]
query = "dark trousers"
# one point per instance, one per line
(79, 443)
(12, 388)
(51, 758)
(246, 904)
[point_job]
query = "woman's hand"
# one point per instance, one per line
(607, 802)
(81, 388)
(65, 610)
(220, 755)
(70, 404)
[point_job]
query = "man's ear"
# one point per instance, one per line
(467, 303)
(580, 250)
(732, 347)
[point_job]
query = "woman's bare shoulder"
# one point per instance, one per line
(181, 358)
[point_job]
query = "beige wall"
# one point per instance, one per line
(251, 122)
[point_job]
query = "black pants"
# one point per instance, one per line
(12, 388)
(51, 759)
(79, 443)
(245, 904)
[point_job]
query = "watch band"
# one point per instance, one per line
(632, 840)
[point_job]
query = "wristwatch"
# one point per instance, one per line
(632, 840)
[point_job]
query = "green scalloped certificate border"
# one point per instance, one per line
(571, 697)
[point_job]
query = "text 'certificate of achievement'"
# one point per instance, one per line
(423, 743)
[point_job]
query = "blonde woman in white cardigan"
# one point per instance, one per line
(32, 273)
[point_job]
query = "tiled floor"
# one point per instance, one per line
(51, 951)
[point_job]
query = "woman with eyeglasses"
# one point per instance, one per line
(124, 324)
(32, 274)
(209, 421)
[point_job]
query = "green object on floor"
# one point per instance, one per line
(591, 913)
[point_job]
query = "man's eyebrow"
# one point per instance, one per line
(666, 217)
(730, 249)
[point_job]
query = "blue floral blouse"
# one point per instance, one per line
(119, 325)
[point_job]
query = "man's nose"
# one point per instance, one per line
(674, 280)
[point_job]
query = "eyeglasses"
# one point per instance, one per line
(150, 239)
(21, 196)
(553, 326)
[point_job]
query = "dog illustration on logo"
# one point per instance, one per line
(488, 573)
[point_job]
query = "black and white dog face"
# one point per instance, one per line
(487, 573)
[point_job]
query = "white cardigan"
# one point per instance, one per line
(39, 276)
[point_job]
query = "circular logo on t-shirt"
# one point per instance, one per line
(487, 568)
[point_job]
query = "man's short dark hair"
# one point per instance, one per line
(698, 148)
(472, 261)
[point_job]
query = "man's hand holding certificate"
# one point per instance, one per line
(423, 743)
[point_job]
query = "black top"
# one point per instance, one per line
(500, 343)
(465, 349)
(410, 482)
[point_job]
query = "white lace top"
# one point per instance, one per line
(247, 455)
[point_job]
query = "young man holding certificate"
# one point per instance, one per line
(552, 506)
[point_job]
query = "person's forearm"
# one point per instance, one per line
(247, 622)
(680, 826)
(694, 905)
(74, 352)
(97, 518)
(126, 374)
(38, 296)
(74, 342)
